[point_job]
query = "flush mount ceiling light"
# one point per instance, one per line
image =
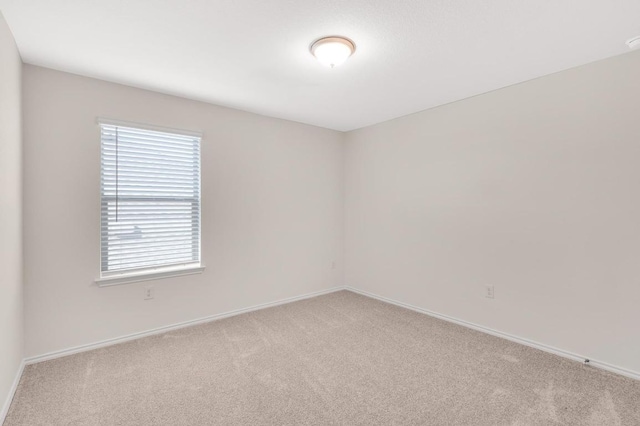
(332, 51)
(634, 43)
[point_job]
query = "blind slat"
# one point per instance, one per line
(140, 255)
(163, 240)
(143, 263)
(109, 131)
(153, 268)
(150, 247)
(126, 156)
(149, 171)
(146, 215)
(165, 232)
(147, 150)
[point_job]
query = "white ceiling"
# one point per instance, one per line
(253, 54)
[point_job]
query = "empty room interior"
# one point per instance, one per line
(277, 212)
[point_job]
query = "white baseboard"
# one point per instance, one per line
(83, 348)
(164, 329)
(12, 392)
(516, 339)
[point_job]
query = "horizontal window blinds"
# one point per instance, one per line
(150, 199)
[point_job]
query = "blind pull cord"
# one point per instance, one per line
(117, 167)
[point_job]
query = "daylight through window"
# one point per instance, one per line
(150, 200)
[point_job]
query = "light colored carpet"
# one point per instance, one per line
(340, 359)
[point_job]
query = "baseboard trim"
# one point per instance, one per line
(546, 348)
(12, 392)
(114, 341)
(176, 326)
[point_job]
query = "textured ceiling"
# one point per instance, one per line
(253, 54)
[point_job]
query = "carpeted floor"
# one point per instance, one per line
(338, 359)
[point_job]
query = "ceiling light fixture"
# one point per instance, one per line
(634, 43)
(332, 51)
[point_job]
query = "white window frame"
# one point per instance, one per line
(151, 273)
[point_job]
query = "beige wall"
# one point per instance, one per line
(11, 305)
(272, 194)
(534, 189)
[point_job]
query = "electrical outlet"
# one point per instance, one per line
(148, 292)
(488, 292)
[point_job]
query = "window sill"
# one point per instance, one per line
(148, 276)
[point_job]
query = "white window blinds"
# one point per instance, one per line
(150, 200)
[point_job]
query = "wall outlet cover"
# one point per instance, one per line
(489, 292)
(148, 292)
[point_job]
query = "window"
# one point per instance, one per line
(150, 201)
